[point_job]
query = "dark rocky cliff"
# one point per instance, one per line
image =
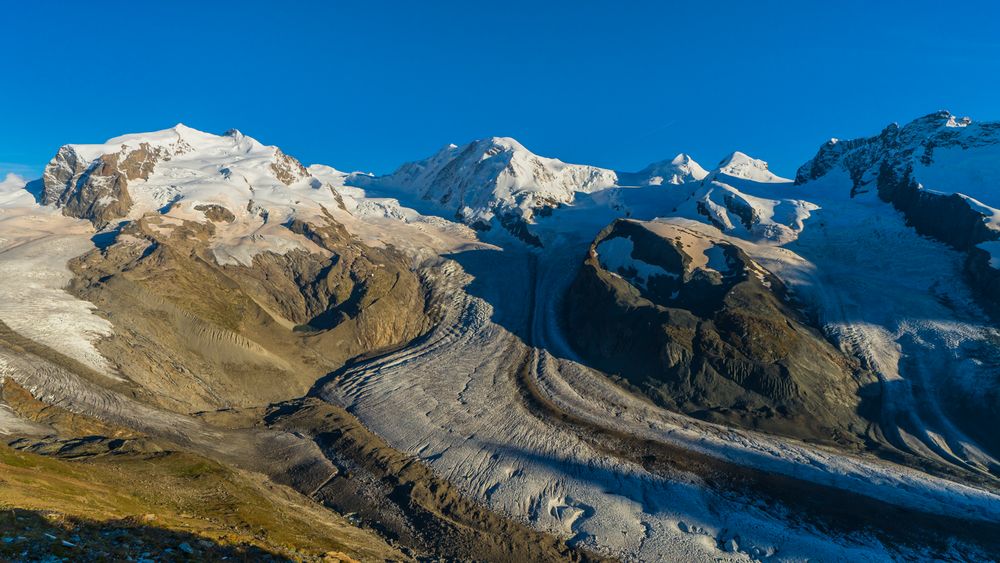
(723, 346)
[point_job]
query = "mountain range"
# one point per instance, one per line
(493, 355)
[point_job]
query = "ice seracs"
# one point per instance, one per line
(742, 196)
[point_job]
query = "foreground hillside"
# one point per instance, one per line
(114, 506)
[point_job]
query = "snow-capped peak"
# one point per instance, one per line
(496, 176)
(919, 143)
(173, 141)
(677, 170)
(740, 165)
(504, 143)
(179, 132)
(248, 189)
(682, 159)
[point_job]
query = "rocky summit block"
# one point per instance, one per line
(691, 320)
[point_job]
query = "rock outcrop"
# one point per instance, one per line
(697, 325)
(97, 190)
(890, 162)
(956, 204)
(229, 281)
(288, 169)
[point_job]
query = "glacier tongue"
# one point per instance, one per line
(35, 244)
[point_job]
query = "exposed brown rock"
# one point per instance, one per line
(723, 347)
(287, 169)
(98, 190)
(216, 213)
(200, 336)
(406, 500)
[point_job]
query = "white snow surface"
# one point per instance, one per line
(453, 401)
(615, 255)
(741, 165)
(881, 292)
(956, 155)
(237, 172)
(945, 155)
(496, 175)
(233, 171)
(757, 211)
(35, 244)
(973, 171)
(678, 170)
(892, 298)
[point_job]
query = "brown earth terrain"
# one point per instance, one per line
(724, 347)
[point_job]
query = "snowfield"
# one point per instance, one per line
(35, 244)
(678, 170)
(616, 256)
(495, 175)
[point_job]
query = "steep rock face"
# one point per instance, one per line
(983, 274)
(857, 157)
(941, 172)
(146, 172)
(97, 190)
(287, 168)
(499, 178)
(701, 328)
(905, 165)
(949, 218)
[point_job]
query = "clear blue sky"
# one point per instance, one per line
(369, 85)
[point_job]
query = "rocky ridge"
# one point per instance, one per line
(222, 281)
(941, 172)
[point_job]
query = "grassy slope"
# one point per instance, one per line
(164, 498)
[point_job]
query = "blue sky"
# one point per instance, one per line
(369, 85)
